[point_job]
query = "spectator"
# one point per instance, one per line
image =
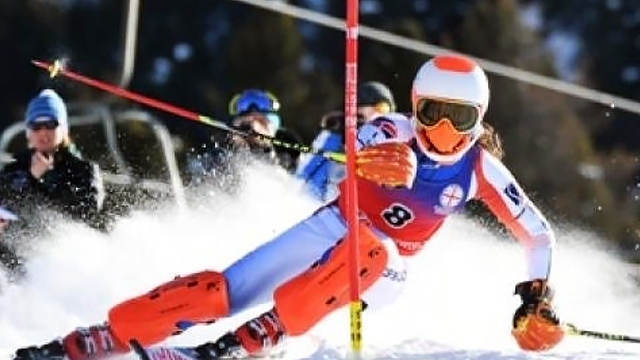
(50, 174)
(374, 98)
(252, 112)
(321, 175)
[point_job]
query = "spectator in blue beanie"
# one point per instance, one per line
(50, 173)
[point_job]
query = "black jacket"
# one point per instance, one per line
(73, 187)
(223, 162)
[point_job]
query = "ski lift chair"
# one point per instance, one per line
(133, 149)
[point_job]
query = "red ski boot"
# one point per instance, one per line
(252, 339)
(95, 343)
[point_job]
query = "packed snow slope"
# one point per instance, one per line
(457, 303)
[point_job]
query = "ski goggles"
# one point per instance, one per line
(271, 118)
(39, 125)
(253, 100)
(462, 116)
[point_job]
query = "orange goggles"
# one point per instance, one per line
(462, 116)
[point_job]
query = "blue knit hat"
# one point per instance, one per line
(47, 105)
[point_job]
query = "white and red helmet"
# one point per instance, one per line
(449, 98)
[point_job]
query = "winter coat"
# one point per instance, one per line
(73, 187)
(221, 164)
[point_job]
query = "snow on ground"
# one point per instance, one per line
(457, 303)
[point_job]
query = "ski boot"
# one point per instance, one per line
(51, 351)
(253, 339)
(228, 346)
(95, 342)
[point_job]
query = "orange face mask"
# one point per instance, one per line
(443, 137)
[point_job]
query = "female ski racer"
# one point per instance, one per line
(411, 175)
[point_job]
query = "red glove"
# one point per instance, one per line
(535, 324)
(392, 164)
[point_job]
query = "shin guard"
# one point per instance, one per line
(304, 300)
(171, 308)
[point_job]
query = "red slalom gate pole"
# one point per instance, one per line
(351, 208)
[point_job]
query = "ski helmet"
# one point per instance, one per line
(372, 93)
(449, 98)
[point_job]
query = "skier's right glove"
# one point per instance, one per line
(391, 164)
(535, 324)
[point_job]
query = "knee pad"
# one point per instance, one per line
(388, 288)
(171, 308)
(307, 298)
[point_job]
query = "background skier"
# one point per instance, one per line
(322, 176)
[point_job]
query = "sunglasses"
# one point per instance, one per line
(463, 117)
(49, 125)
(250, 101)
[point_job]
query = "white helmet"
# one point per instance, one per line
(449, 98)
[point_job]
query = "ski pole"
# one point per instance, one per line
(571, 329)
(57, 68)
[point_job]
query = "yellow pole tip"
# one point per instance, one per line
(55, 68)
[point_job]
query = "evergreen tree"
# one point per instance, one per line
(607, 32)
(274, 60)
(391, 66)
(28, 30)
(545, 141)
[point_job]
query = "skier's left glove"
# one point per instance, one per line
(536, 326)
